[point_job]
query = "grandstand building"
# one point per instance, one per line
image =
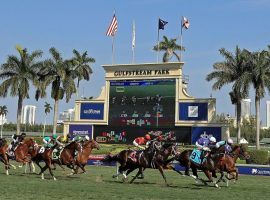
(140, 99)
(28, 114)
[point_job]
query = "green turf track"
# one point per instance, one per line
(98, 184)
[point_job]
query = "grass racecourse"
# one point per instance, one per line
(99, 184)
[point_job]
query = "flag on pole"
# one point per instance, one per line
(133, 36)
(113, 27)
(185, 23)
(161, 24)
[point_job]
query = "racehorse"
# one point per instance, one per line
(3, 155)
(227, 162)
(216, 161)
(22, 154)
(152, 157)
(82, 157)
(66, 157)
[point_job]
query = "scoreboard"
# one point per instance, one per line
(142, 103)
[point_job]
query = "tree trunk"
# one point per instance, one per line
(258, 125)
(55, 115)
(2, 128)
(77, 89)
(19, 113)
(238, 120)
(44, 126)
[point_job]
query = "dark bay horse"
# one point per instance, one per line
(83, 156)
(66, 157)
(148, 158)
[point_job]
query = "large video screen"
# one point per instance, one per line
(142, 103)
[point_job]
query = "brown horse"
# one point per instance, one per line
(216, 161)
(83, 156)
(3, 154)
(226, 163)
(22, 153)
(66, 157)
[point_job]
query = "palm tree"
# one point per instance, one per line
(3, 113)
(82, 68)
(259, 77)
(232, 70)
(170, 47)
(57, 72)
(17, 73)
(47, 110)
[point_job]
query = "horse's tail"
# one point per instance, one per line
(110, 158)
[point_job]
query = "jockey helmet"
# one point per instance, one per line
(230, 141)
(160, 138)
(23, 134)
(87, 137)
(212, 139)
(147, 137)
(54, 136)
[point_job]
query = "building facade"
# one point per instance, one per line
(3, 119)
(246, 108)
(28, 114)
(140, 99)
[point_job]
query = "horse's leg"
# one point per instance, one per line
(209, 176)
(162, 173)
(50, 169)
(138, 173)
(33, 166)
(221, 177)
(195, 174)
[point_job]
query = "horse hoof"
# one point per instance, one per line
(54, 179)
(114, 176)
(216, 185)
(124, 180)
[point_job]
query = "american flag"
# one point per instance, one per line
(113, 27)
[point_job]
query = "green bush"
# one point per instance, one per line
(260, 157)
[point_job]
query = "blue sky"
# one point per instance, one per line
(81, 25)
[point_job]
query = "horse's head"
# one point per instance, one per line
(94, 144)
(170, 149)
(241, 152)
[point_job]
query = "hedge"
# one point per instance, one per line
(260, 157)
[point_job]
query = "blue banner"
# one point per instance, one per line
(93, 111)
(198, 132)
(192, 111)
(80, 129)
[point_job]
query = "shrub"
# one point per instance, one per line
(259, 157)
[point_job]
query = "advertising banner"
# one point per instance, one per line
(126, 135)
(198, 132)
(193, 111)
(94, 111)
(80, 129)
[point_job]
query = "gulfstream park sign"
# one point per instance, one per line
(142, 72)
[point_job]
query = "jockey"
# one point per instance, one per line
(204, 144)
(16, 139)
(47, 140)
(141, 141)
(227, 145)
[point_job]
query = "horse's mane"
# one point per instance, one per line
(71, 143)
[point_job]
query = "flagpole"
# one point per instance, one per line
(158, 44)
(181, 39)
(113, 50)
(133, 42)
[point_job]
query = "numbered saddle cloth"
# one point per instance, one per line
(195, 157)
